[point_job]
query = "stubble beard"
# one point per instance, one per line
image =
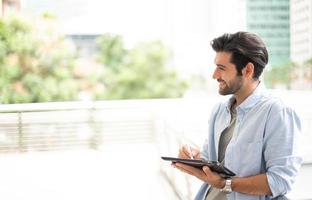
(232, 86)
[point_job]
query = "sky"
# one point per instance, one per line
(143, 19)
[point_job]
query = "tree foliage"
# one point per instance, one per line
(139, 72)
(280, 75)
(290, 74)
(36, 63)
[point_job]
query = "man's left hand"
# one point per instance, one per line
(206, 175)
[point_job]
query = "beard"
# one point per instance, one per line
(231, 86)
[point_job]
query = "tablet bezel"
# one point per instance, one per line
(213, 165)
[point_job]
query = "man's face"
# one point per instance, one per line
(226, 74)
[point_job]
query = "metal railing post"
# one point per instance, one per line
(20, 132)
(94, 137)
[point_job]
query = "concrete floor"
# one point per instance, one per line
(119, 171)
(116, 171)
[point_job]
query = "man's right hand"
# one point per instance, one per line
(184, 152)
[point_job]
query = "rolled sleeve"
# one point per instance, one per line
(282, 157)
(281, 175)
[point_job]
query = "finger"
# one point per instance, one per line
(186, 151)
(198, 173)
(182, 153)
(207, 171)
(190, 170)
(194, 151)
(184, 170)
(184, 167)
(210, 173)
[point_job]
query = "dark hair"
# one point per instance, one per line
(245, 47)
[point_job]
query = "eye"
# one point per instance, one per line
(221, 68)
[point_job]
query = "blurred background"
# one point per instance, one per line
(92, 93)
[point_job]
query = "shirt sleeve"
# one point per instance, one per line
(281, 154)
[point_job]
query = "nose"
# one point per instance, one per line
(216, 74)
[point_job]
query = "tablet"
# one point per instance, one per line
(213, 165)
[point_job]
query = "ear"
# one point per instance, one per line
(248, 71)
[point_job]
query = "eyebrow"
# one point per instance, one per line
(219, 65)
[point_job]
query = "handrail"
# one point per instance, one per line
(69, 124)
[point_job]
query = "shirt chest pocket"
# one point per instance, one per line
(249, 158)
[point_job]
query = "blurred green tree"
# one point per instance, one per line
(281, 75)
(288, 75)
(36, 63)
(139, 72)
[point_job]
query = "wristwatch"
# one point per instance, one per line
(228, 186)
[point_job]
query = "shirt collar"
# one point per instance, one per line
(250, 101)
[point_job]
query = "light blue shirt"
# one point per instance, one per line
(265, 140)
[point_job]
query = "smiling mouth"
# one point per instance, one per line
(222, 84)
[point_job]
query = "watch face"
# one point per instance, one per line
(228, 186)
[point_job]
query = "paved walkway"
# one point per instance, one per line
(115, 172)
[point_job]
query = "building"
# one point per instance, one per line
(270, 20)
(9, 5)
(85, 43)
(301, 30)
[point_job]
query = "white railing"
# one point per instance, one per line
(67, 125)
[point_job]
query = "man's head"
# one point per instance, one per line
(240, 56)
(245, 47)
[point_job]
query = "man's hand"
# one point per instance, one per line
(205, 174)
(253, 185)
(184, 152)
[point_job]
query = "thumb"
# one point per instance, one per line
(207, 170)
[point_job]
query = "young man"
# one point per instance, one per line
(253, 133)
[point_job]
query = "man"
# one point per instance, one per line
(253, 133)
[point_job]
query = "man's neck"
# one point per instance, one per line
(245, 92)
